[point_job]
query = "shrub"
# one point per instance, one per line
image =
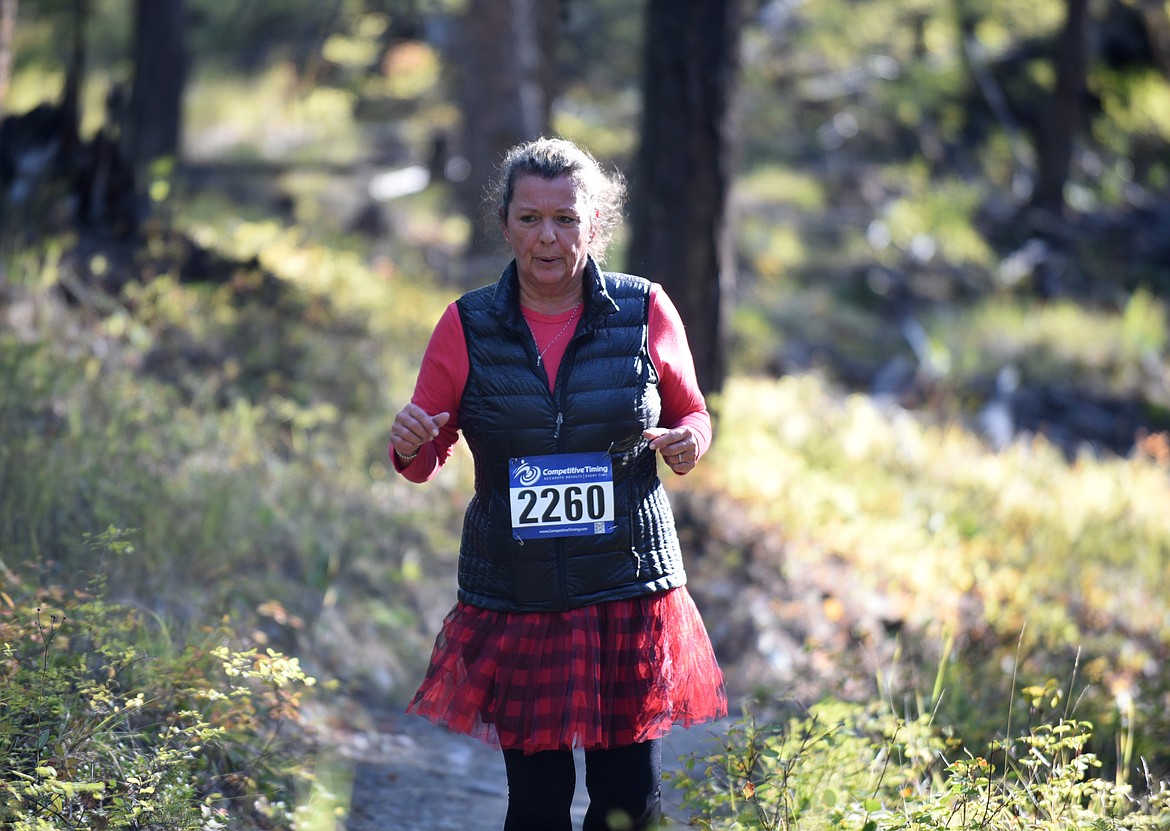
(107, 721)
(863, 767)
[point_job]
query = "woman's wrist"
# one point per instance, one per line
(402, 457)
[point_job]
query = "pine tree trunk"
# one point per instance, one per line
(503, 103)
(679, 189)
(160, 77)
(1066, 112)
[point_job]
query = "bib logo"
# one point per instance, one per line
(527, 474)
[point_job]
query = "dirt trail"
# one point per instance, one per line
(407, 775)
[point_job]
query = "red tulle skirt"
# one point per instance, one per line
(600, 676)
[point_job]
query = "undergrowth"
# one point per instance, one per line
(870, 767)
(1006, 556)
(231, 445)
(110, 719)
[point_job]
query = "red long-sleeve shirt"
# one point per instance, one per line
(444, 369)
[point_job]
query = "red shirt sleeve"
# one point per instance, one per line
(439, 389)
(683, 404)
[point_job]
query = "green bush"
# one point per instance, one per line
(107, 720)
(1019, 557)
(864, 767)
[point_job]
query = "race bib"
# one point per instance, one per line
(565, 495)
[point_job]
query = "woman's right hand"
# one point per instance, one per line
(413, 427)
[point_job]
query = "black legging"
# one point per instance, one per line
(623, 781)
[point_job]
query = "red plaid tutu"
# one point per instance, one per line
(601, 676)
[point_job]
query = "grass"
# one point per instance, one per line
(872, 766)
(273, 456)
(1017, 556)
(1060, 341)
(849, 471)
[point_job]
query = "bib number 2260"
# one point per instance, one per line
(567, 494)
(572, 503)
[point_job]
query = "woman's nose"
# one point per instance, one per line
(548, 231)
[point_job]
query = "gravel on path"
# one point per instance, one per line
(405, 774)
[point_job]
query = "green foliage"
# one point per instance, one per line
(318, 120)
(863, 767)
(837, 761)
(1047, 557)
(1134, 112)
(42, 47)
(773, 183)
(108, 721)
(936, 218)
(1059, 342)
(237, 425)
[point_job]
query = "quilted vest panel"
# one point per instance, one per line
(606, 394)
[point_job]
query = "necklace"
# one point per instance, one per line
(556, 337)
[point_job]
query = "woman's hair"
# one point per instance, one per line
(553, 157)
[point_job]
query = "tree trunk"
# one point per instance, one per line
(1064, 118)
(74, 80)
(679, 190)
(7, 38)
(160, 76)
(503, 103)
(1156, 15)
(550, 19)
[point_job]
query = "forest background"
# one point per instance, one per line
(927, 260)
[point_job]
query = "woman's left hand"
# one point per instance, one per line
(678, 447)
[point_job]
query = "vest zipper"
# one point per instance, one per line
(562, 579)
(558, 400)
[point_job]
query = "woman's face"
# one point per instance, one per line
(549, 226)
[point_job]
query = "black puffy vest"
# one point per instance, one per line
(606, 394)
